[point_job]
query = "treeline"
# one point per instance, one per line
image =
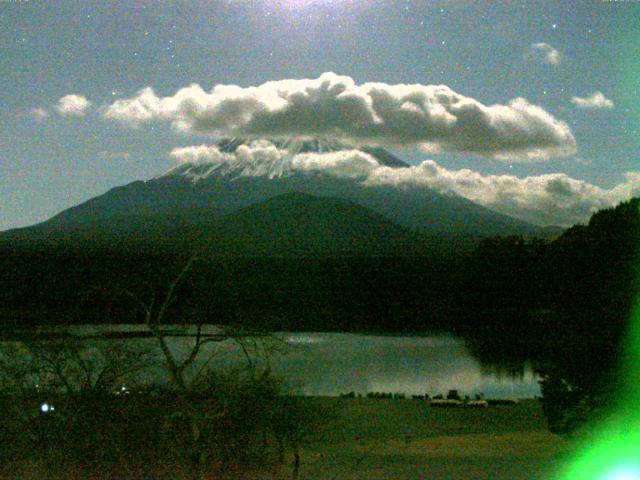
(577, 290)
(565, 306)
(75, 285)
(511, 287)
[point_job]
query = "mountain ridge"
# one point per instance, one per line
(175, 195)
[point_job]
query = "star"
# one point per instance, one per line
(554, 26)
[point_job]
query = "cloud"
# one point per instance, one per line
(73, 106)
(433, 117)
(546, 53)
(594, 101)
(38, 114)
(550, 199)
(262, 158)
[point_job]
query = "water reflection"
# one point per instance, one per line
(335, 363)
(330, 364)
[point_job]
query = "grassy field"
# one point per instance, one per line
(407, 439)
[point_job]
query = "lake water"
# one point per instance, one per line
(335, 363)
(331, 364)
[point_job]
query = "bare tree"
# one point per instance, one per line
(188, 371)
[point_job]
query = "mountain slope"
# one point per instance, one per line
(193, 194)
(292, 261)
(297, 224)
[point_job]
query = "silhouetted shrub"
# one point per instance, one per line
(243, 424)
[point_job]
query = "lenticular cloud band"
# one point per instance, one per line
(433, 117)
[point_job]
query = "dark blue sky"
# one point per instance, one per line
(108, 50)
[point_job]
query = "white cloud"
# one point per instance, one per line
(342, 164)
(200, 155)
(262, 158)
(433, 117)
(38, 114)
(596, 100)
(550, 199)
(73, 105)
(546, 53)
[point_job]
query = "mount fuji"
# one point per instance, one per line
(288, 243)
(199, 193)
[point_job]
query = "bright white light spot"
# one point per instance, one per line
(624, 473)
(44, 408)
(123, 388)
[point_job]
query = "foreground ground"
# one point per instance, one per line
(407, 439)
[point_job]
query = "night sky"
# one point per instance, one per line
(65, 69)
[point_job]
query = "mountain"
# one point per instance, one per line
(193, 194)
(297, 224)
(293, 261)
(289, 249)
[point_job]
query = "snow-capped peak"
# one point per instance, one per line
(277, 158)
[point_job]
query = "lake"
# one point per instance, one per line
(335, 363)
(330, 364)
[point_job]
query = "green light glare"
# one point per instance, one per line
(612, 452)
